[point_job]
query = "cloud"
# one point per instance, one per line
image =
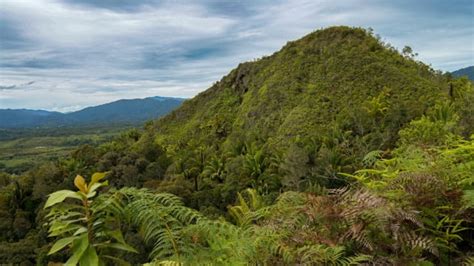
(56, 24)
(15, 87)
(85, 52)
(11, 87)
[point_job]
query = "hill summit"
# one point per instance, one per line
(339, 79)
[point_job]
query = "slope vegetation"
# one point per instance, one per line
(339, 87)
(339, 77)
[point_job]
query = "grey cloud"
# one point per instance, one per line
(16, 87)
(11, 87)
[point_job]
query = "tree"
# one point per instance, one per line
(215, 169)
(407, 51)
(197, 164)
(255, 164)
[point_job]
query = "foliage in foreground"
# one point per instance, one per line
(416, 208)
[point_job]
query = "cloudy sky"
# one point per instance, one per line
(67, 54)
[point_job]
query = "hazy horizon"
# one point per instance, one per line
(82, 108)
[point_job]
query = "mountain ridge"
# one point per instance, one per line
(466, 71)
(308, 76)
(337, 93)
(120, 111)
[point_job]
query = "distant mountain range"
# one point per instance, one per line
(467, 71)
(118, 112)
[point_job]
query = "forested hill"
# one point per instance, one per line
(335, 150)
(335, 84)
(131, 111)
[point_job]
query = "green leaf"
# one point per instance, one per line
(96, 177)
(121, 246)
(79, 246)
(95, 186)
(81, 230)
(60, 244)
(117, 235)
(63, 228)
(89, 258)
(91, 194)
(60, 196)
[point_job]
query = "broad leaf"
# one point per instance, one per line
(117, 235)
(60, 244)
(60, 196)
(93, 187)
(121, 246)
(80, 183)
(81, 230)
(64, 228)
(79, 246)
(91, 194)
(96, 178)
(89, 258)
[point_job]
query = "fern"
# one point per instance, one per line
(160, 219)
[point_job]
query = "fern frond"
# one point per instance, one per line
(413, 241)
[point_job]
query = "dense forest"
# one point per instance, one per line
(336, 150)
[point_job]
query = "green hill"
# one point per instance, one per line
(329, 78)
(334, 83)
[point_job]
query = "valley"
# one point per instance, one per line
(29, 138)
(23, 149)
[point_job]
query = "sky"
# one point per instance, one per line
(64, 55)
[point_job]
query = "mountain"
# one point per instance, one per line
(467, 71)
(339, 84)
(118, 112)
(15, 118)
(126, 111)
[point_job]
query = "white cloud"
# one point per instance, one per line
(51, 22)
